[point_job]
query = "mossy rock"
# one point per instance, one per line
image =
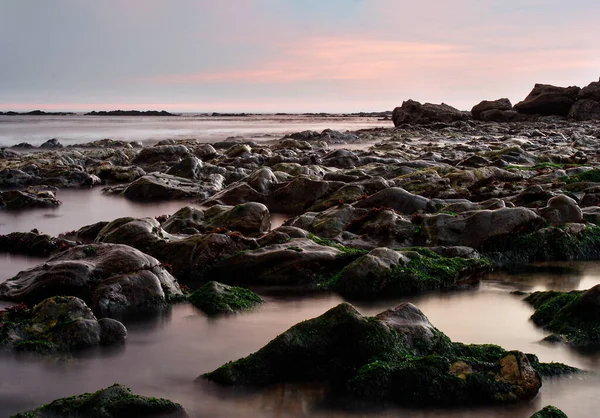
(549, 412)
(216, 298)
(377, 358)
(425, 271)
(116, 401)
(573, 316)
(567, 243)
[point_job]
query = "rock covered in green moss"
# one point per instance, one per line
(116, 401)
(216, 298)
(396, 356)
(549, 412)
(573, 317)
(59, 323)
(384, 272)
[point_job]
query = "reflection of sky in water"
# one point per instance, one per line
(80, 129)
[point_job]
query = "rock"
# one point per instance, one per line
(590, 92)
(572, 316)
(189, 167)
(59, 323)
(51, 144)
(15, 199)
(380, 228)
(158, 186)
(160, 157)
(185, 220)
(549, 412)
(144, 234)
(216, 298)
(381, 272)
(299, 194)
(560, 210)
(585, 109)
(88, 233)
(415, 113)
(33, 243)
(119, 174)
(546, 99)
(114, 279)
(262, 180)
(297, 261)
(369, 358)
(487, 105)
(114, 401)
(15, 178)
(472, 229)
(341, 158)
(205, 152)
(397, 199)
(235, 195)
(247, 218)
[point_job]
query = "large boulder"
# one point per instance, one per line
(395, 198)
(216, 298)
(16, 199)
(144, 234)
(473, 228)
(159, 157)
(187, 220)
(114, 401)
(59, 323)
(299, 194)
(546, 99)
(485, 106)
(562, 209)
(396, 356)
(590, 92)
(113, 279)
(585, 109)
(158, 186)
(190, 167)
(414, 112)
(247, 218)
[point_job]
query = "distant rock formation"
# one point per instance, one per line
(130, 113)
(412, 111)
(36, 113)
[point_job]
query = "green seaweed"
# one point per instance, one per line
(549, 412)
(216, 298)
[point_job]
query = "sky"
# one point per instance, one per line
(289, 55)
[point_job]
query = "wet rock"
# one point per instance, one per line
(88, 233)
(15, 178)
(189, 167)
(216, 298)
(549, 412)
(585, 109)
(114, 401)
(114, 279)
(414, 112)
(560, 210)
(158, 186)
(185, 220)
(395, 198)
(59, 323)
(262, 180)
(381, 272)
(380, 227)
(297, 261)
(33, 243)
(205, 152)
(472, 229)
(119, 174)
(546, 99)
(572, 316)
(160, 157)
(16, 199)
(299, 194)
(341, 159)
(247, 218)
(235, 195)
(368, 358)
(144, 234)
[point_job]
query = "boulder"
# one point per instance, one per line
(51, 144)
(414, 112)
(590, 92)
(113, 279)
(487, 105)
(547, 100)
(371, 358)
(216, 298)
(144, 234)
(299, 194)
(562, 209)
(247, 218)
(113, 401)
(585, 109)
(395, 198)
(187, 220)
(16, 199)
(158, 158)
(189, 167)
(59, 323)
(33, 243)
(549, 412)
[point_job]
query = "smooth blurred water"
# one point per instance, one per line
(80, 129)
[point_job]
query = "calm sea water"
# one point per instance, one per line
(164, 354)
(80, 129)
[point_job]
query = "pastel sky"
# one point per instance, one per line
(289, 55)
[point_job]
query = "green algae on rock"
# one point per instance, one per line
(116, 401)
(549, 412)
(384, 272)
(59, 323)
(216, 298)
(396, 356)
(573, 317)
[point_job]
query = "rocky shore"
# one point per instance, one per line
(428, 205)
